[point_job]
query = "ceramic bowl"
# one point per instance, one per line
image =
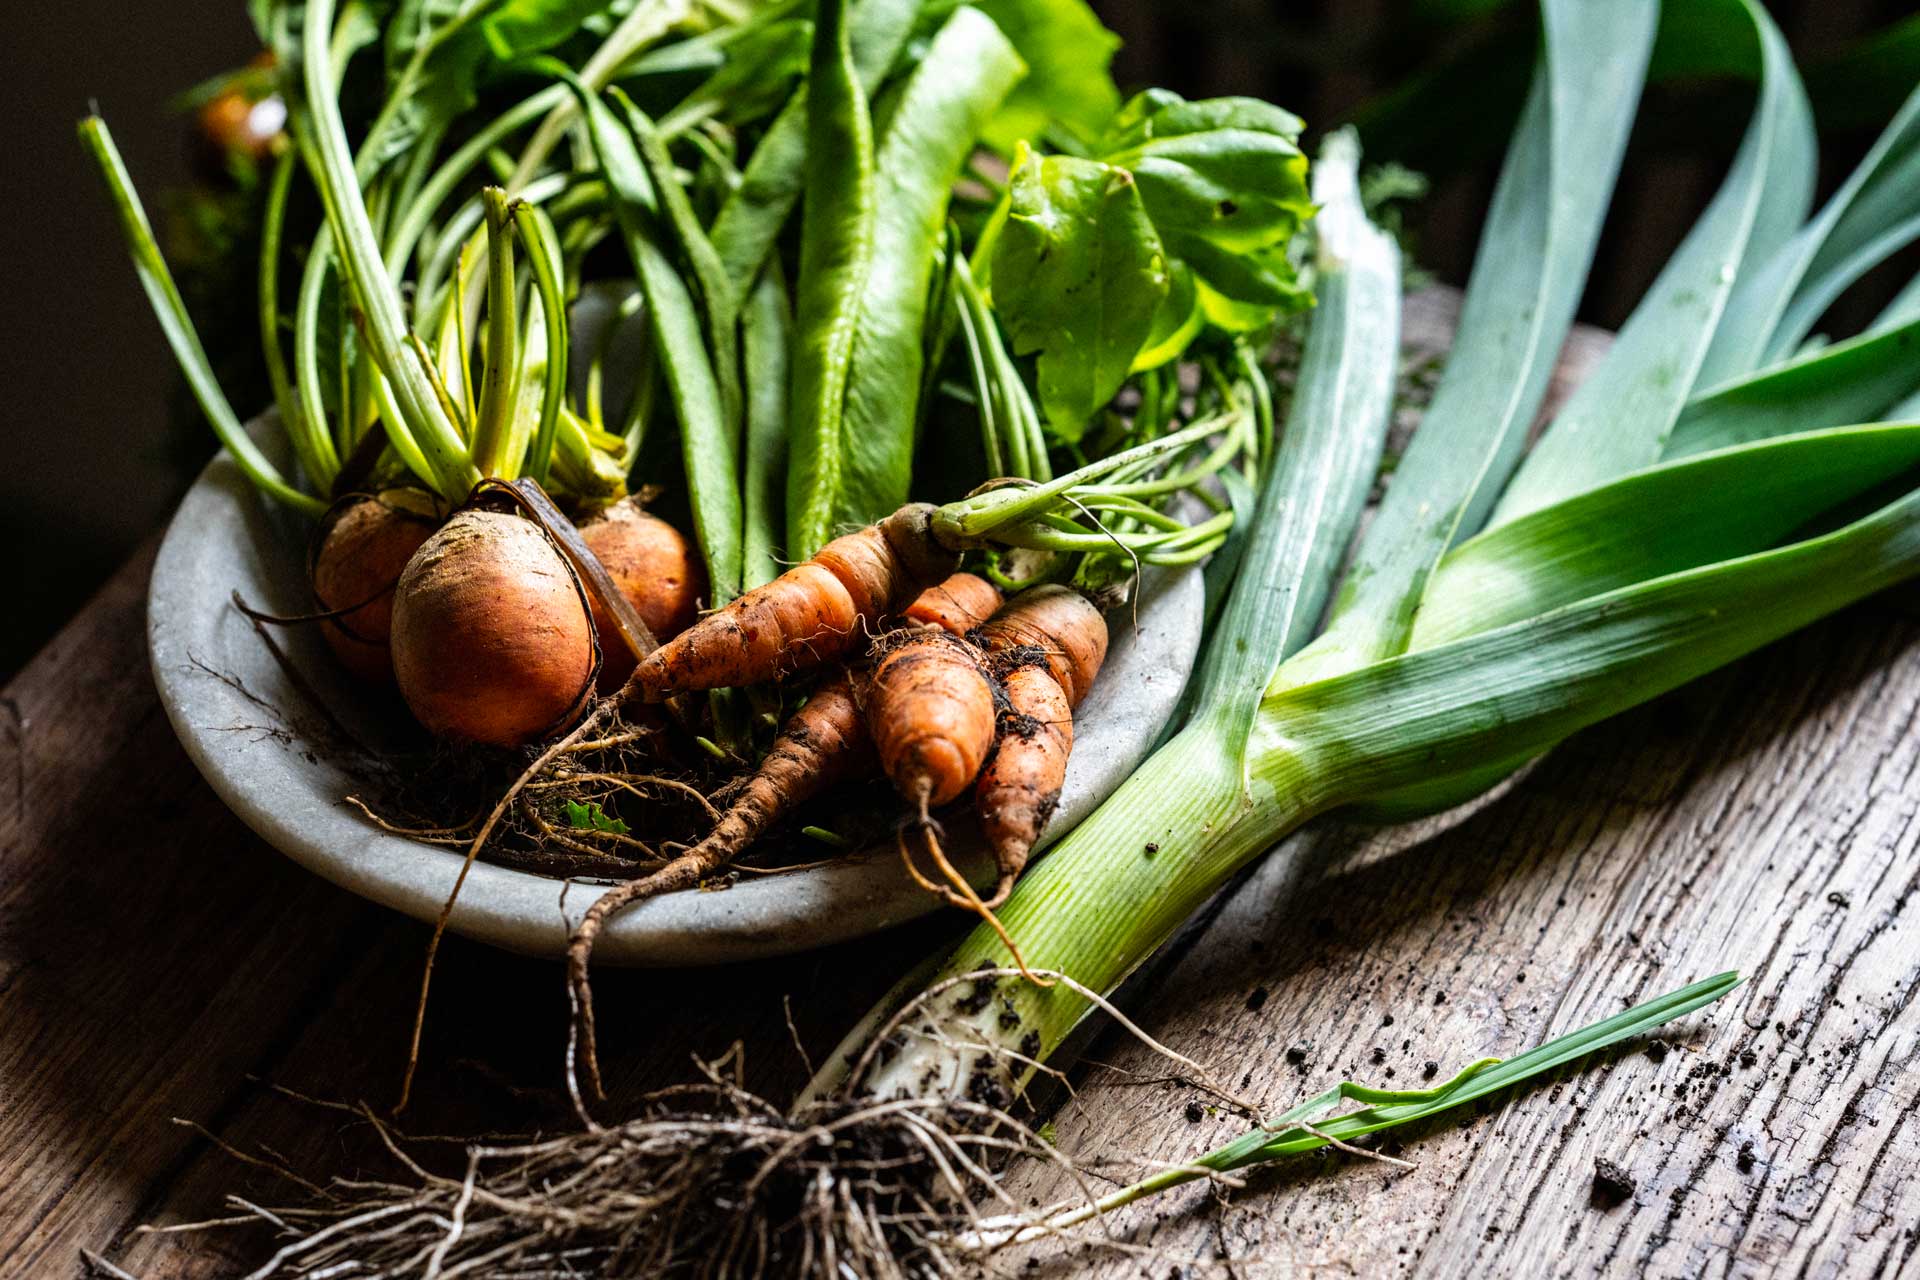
(284, 740)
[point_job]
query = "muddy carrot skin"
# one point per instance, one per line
(963, 603)
(1048, 645)
(1064, 626)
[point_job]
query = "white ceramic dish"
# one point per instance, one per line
(263, 744)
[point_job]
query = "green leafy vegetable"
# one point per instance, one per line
(1067, 51)
(1226, 187)
(1078, 275)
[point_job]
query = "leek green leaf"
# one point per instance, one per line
(1618, 420)
(1527, 278)
(1873, 213)
(1672, 517)
(1853, 381)
(1335, 433)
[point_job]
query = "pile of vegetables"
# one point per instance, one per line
(1098, 314)
(802, 210)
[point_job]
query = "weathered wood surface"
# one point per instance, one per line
(157, 961)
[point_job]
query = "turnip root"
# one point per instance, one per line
(491, 639)
(654, 568)
(365, 542)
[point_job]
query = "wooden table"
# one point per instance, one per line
(157, 961)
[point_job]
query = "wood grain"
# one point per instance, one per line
(157, 961)
(1765, 820)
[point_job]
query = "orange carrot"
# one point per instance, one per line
(959, 605)
(930, 711)
(823, 743)
(1048, 645)
(1065, 629)
(815, 612)
(1020, 787)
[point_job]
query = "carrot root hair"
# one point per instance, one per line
(957, 890)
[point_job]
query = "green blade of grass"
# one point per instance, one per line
(1391, 1108)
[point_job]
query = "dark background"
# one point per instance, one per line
(95, 458)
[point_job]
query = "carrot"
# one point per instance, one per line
(959, 605)
(1020, 788)
(930, 710)
(815, 612)
(1048, 645)
(1065, 629)
(823, 743)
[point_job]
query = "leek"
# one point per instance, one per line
(1493, 609)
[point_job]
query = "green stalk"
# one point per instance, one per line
(646, 22)
(544, 255)
(305, 431)
(419, 211)
(974, 519)
(441, 277)
(171, 311)
(493, 424)
(385, 327)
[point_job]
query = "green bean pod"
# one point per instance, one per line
(836, 255)
(767, 332)
(750, 220)
(942, 108)
(708, 445)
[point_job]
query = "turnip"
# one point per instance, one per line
(492, 640)
(651, 563)
(365, 542)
